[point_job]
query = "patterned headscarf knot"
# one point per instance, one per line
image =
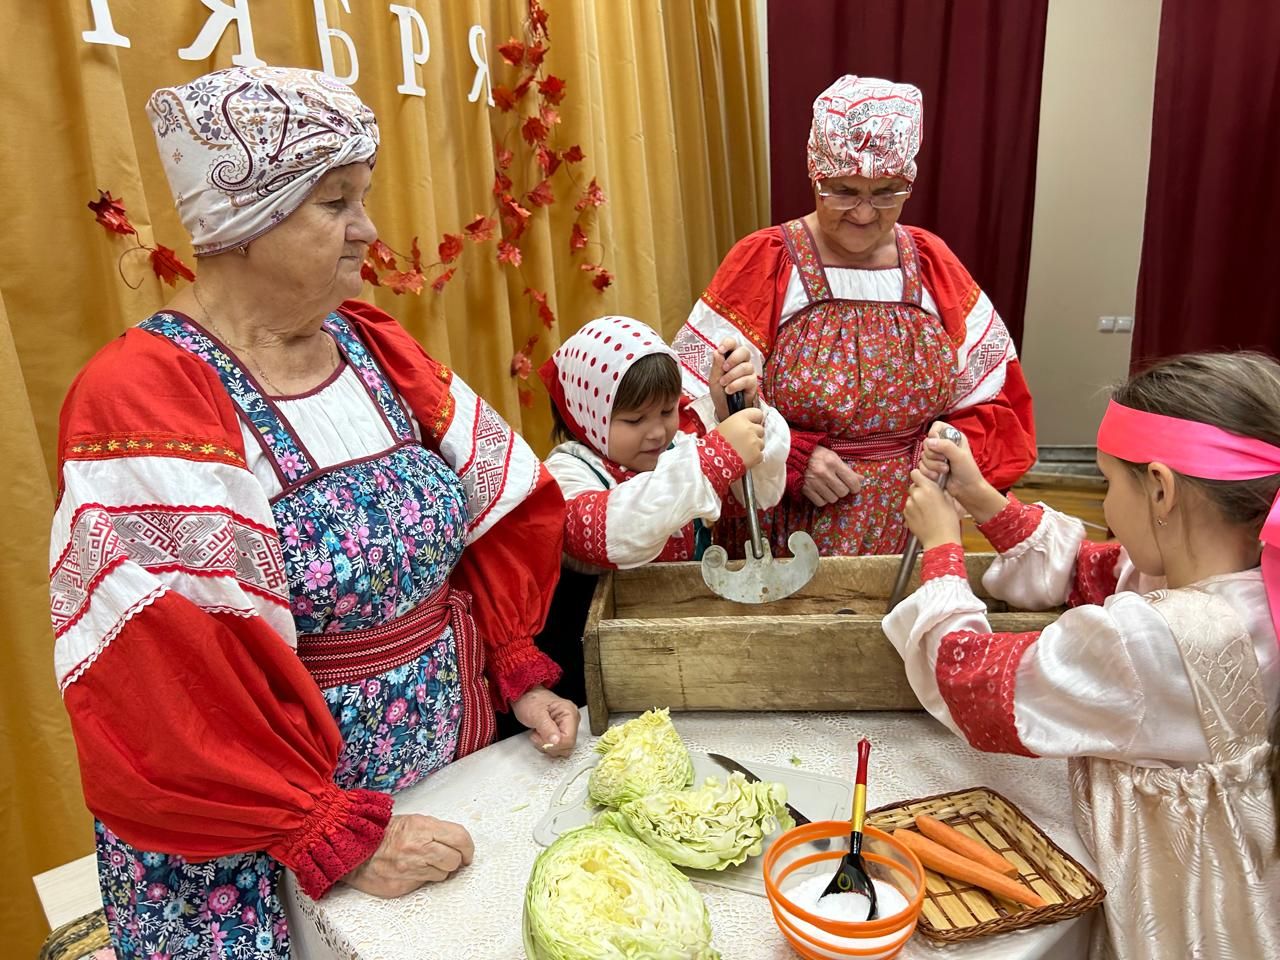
(244, 147)
(864, 127)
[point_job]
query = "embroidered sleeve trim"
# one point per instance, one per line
(108, 446)
(1095, 576)
(1015, 523)
(976, 675)
(946, 560)
(585, 532)
(720, 462)
(740, 322)
(343, 832)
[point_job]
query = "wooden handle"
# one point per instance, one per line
(860, 785)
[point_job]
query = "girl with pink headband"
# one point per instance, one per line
(1161, 680)
(641, 469)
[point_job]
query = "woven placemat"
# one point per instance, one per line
(954, 911)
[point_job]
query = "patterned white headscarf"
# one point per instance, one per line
(244, 147)
(583, 375)
(864, 127)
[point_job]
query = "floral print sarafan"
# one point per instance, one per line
(363, 543)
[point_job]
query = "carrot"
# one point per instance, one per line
(953, 839)
(937, 857)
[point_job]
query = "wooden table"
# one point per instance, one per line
(500, 793)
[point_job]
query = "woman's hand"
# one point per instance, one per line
(414, 850)
(967, 484)
(552, 721)
(931, 513)
(827, 478)
(745, 433)
(731, 372)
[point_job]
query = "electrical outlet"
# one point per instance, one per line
(1124, 324)
(1106, 324)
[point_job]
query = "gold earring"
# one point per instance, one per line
(1161, 522)
(244, 249)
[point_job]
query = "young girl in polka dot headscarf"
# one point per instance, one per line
(641, 470)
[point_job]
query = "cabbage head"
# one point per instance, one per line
(709, 828)
(642, 756)
(597, 894)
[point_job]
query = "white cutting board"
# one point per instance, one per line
(816, 796)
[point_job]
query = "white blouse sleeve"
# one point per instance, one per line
(1103, 681)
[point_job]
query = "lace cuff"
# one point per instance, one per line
(515, 674)
(341, 833)
(1012, 525)
(946, 560)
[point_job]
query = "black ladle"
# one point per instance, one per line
(852, 877)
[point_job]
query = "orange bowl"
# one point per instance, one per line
(795, 856)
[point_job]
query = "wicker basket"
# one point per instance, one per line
(954, 911)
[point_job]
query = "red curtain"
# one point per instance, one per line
(978, 63)
(1213, 193)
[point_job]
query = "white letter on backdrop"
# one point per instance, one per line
(409, 18)
(481, 57)
(104, 30)
(325, 32)
(213, 29)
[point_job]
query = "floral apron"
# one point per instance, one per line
(368, 546)
(872, 376)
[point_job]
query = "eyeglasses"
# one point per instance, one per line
(878, 201)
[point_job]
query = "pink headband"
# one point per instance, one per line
(1204, 451)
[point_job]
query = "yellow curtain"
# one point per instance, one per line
(664, 98)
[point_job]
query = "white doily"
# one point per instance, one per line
(499, 794)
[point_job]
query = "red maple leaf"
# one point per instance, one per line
(526, 397)
(480, 229)
(168, 267)
(450, 248)
(407, 281)
(523, 86)
(514, 217)
(577, 239)
(602, 279)
(573, 154)
(550, 116)
(534, 53)
(521, 366)
(503, 158)
(548, 160)
(503, 98)
(593, 197)
(438, 283)
(552, 89)
(415, 255)
(545, 313)
(109, 212)
(513, 52)
(370, 274)
(541, 195)
(382, 256)
(501, 184)
(537, 19)
(508, 253)
(534, 131)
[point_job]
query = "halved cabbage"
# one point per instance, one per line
(708, 828)
(642, 756)
(598, 894)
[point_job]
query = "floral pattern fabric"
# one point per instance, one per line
(363, 543)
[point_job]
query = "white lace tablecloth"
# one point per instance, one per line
(499, 794)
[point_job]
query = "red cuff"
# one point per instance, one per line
(720, 462)
(802, 447)
(977, 677)
(945, 560)
(342, 832)
(515, 673)
(1012, 525)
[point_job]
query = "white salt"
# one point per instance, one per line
(845, 907)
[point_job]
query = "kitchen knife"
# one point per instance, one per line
(735, 767)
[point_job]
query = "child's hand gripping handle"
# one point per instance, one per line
(912, 549)
(736, 403)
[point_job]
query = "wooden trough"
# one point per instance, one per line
(656, 636)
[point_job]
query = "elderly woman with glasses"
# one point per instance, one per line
(865, 331)
(297, 563)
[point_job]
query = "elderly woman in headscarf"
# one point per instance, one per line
(866, 332)
(297, 563)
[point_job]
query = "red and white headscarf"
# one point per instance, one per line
(583, 375)
(244, 147)
(864, 127)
